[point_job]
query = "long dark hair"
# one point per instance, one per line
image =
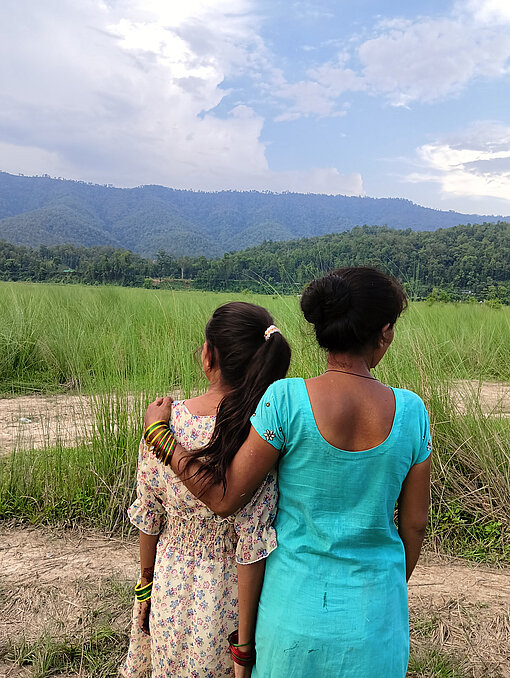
(350, 306)
(249, 362)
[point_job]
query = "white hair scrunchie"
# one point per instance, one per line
(270, 330)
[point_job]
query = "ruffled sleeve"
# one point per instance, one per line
(254, 523)
(147, 512)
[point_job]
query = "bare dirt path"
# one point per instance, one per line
(36, 421)
(493, 397)
(55, 580)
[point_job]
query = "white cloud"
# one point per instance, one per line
(487, 11)
(430, 59)
(124, 92)
(473, 165)
(309, 98)
(407, 61)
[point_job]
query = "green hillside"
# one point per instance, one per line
(42, 210)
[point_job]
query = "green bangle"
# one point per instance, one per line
(142, 599)
(171, 450)
(158, 438)
(152, 427)
(143, 593)
(163, 448)
(165, 451)
(161, 444)
(241, 644)
(140, 588)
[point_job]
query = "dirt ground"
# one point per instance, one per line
(458, 609)
(52, 580)
(493, 396)
(35, 421)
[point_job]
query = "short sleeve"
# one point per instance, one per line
(254, 523)
(425, 446)
(147, 512)
(267, 421)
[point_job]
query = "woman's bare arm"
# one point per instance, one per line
(249, 578)
(250, 466)
(147, 559)
(252, 463)
(413, 510)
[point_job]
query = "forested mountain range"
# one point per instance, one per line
(465, 261)
(47, 211)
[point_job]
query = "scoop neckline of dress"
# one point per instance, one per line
(198, 416)
(368, 449)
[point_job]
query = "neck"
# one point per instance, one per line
(347, 362)
(217, 389)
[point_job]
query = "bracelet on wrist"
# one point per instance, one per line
(143, 593)
(160, 440)
(239, 656)
(153, 427)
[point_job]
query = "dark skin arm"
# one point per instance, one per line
(147, 559)
(251, 464)
(246, 473)
(413, 508)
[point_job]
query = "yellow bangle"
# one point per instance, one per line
(156, 441)
(152, 427)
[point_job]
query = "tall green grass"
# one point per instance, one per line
(116, 343)
(56, 338)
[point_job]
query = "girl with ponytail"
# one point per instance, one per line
(187, 598)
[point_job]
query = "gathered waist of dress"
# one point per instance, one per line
(198, 536)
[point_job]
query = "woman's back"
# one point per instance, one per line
(336, 535)
(351, 412)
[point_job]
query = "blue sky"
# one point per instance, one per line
(399, 99)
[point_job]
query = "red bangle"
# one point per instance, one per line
(238, 656)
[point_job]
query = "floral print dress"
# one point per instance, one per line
(194, 595)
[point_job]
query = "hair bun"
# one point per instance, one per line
(349, 306)
(326, 298)
(340, 299)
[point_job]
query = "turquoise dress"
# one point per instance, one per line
(334, 599)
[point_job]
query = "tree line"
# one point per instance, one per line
(460, 262)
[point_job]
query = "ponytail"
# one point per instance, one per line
(264, 357)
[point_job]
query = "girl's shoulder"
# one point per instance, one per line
(180, 410)
(192, 431)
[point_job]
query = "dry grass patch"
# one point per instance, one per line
(71, 595)
(460, 621)
(69, 605)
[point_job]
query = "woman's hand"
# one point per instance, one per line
(159, 410)
(143, 616)
(242, 671)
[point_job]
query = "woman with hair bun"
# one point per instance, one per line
(348, 449)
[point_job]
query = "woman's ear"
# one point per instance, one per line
(386, 336)
(206, 357)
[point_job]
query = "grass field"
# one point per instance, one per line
(120, 348)
(113, 343)
(57, 338)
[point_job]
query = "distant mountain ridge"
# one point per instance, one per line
(45, 211)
